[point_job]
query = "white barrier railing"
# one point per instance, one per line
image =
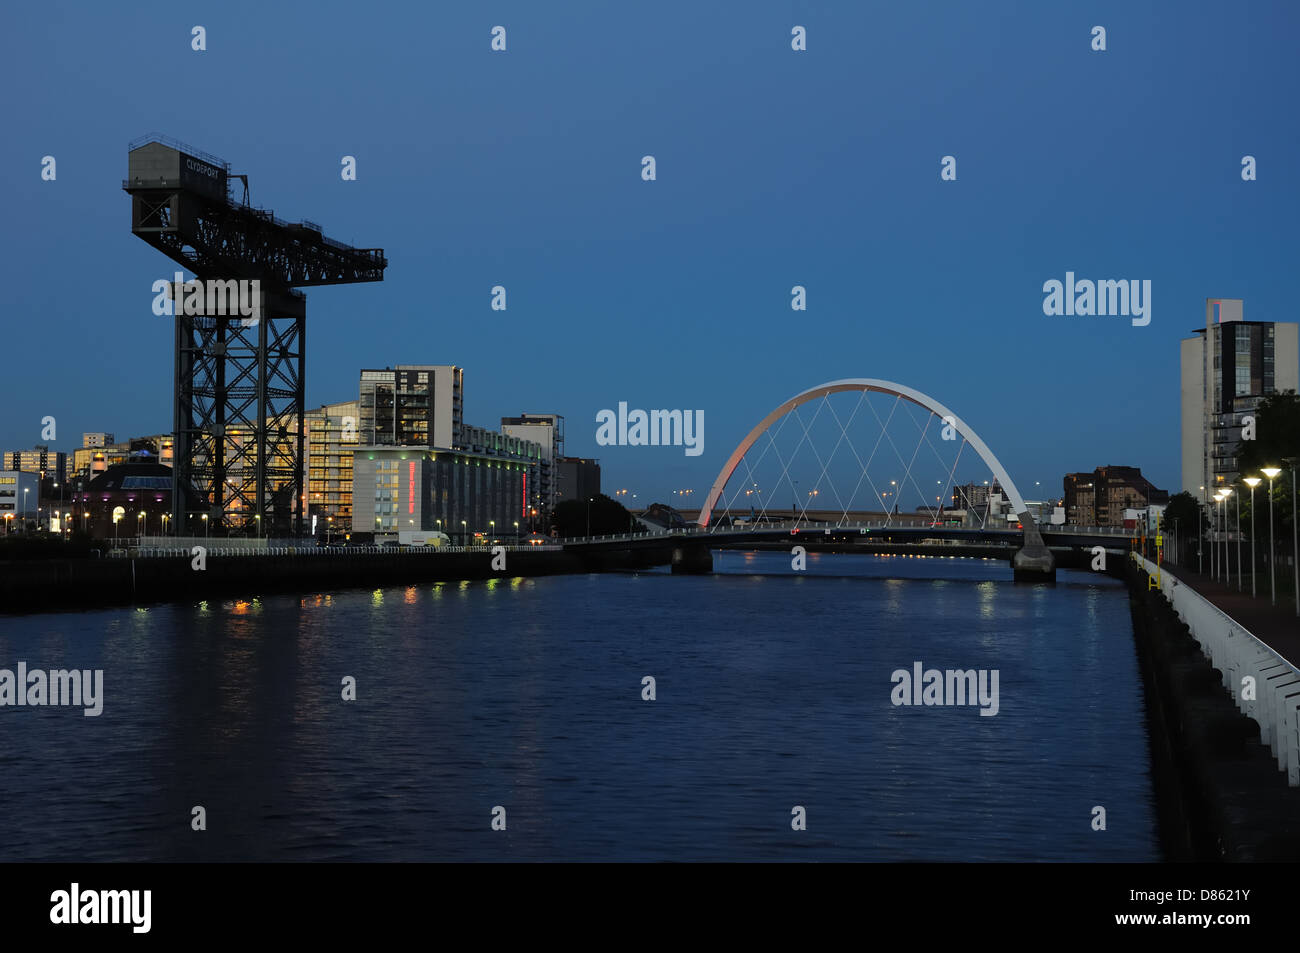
(1236, 653)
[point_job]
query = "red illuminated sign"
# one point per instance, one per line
(410, 496)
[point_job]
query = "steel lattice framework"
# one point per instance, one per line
(239, 383)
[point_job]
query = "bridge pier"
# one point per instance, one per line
(692, 559)
(1033, 562)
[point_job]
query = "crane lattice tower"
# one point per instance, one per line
(239, 381)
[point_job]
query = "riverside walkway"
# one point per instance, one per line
(1276, 626)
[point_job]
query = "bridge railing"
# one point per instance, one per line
(166, 552)
(1234, 651)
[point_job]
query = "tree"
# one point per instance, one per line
(599, 516)
(1276, 444)
(1183, 508)
(1181, 516)
(1277, 434)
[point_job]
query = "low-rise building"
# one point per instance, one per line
(969, 496)
(468, 494)
(93, 458)
(131, 499)
(51, 466)
(1100, 498)
(19, 498)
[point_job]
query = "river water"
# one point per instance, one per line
(772, 693)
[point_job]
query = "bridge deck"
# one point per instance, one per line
(1071, 536)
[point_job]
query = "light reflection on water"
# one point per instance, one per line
(772, 689)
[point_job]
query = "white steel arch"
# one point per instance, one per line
(882, 387)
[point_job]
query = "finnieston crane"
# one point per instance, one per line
(239, 385)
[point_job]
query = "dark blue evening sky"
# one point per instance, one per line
(775, 168)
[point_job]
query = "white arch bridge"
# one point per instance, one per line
(1033, 560)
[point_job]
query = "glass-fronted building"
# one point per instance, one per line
(472, 496)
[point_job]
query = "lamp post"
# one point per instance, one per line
(1240, 586)
(1200, 519)
(464, 538)
(1214, 543)
(205, 526)
(25, 492)
(1220, 555)
(492, 529)
(1271, 472)
(1252, 482)
(1227, 562)
(1295, 552)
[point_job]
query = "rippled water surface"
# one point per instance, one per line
(773, 690)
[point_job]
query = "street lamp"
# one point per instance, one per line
(1295, 538)
(1271, 472)
(1214, 536)
(1252, 482)
(1227, 566)
(1240, 587)
(205, 525)
(464, 538)
(1200, 519)
(1218, 512)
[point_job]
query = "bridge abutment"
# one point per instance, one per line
(1033, 562)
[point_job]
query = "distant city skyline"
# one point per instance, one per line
(775, 168)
